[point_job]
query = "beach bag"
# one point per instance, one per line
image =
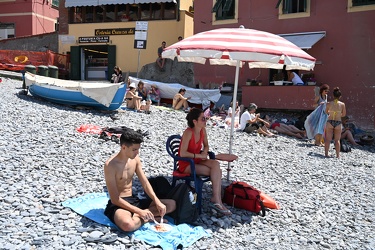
(239, 194)
(186, 209)
(161, 186)
(344, 146)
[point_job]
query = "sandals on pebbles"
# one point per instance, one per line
(220, 208)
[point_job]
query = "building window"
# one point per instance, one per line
(55, 3)
(294, 6)
(224, 9)
(363, 2)
(6, 30)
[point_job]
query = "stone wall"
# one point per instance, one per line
(175, 72)
(42, 42)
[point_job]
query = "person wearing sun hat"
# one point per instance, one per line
(133, 101)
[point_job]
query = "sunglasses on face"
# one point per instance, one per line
(203, 119)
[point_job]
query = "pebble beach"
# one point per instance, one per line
(325, 203)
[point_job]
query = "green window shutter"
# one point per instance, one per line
(227, 5)
(75, 63)
(111, 60)
(217, 5)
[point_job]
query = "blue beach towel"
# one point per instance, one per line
(92, 206)
(316, 121)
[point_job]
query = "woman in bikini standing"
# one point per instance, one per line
(194, 144)
(335, 110)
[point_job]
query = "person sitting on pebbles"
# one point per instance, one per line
(347, 131)
(283, 128)
(251, 122)
(179, 100)
(228, 119)
(133, 101)
(124, 208)
(154, 94)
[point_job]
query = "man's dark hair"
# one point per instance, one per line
(130, 137)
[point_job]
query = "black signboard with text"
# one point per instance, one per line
(140, 44)
(94, 39)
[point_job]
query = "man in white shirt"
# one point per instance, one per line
(250, 122)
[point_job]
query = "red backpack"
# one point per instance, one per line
(239, 194)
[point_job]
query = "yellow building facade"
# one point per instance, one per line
(124, 34)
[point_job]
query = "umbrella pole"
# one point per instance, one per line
(229, 168)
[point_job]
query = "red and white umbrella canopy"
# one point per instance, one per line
(226, 46)
(236, 46)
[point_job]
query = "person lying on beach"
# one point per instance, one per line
(179, 100)
(251, 122)
(283, 128)
(193, 138)
(133, 101)
(124, 209)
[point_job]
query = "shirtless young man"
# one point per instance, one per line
(124, 209)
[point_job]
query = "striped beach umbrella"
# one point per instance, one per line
(239, 46)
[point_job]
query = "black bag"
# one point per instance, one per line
(344, 146)
(161, 186)
(186, 209)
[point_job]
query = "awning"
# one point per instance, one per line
(155, 1)
(304, 40)
(74, 3)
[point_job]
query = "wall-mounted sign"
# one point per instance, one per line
(139, 25)
(114, 32)
(140, 44)
(94, 39)
(140, 37)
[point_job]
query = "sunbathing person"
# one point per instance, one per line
(251, 122)
(193, 138)
(347, 131)
(283, 128)
(179, 100)
(228, 119)
(133, 101)
(124, 209)
(154, 94)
